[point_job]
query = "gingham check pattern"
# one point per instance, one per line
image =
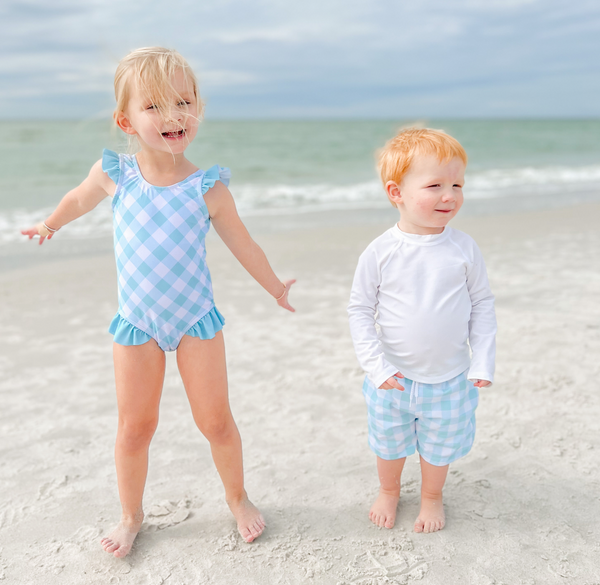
(163, 280)
(437, 420)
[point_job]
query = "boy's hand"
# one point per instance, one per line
(482, 383)
(392, 383)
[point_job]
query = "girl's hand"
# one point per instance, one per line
(392, 383)
(38, 230)
(283, 301)
(482, 383)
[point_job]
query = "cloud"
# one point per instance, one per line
(272, 57)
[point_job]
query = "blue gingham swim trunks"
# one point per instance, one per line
(437, 420)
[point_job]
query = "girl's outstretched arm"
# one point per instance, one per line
(233, 232)
(75, 203)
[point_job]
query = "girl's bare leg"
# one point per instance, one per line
(383, 510)
(431, 517)
(203, 371)
(139, 376)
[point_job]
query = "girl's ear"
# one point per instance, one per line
(123, 122)
(393, 193)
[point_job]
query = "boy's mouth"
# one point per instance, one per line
(176, 134)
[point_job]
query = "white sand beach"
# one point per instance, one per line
(522, 508)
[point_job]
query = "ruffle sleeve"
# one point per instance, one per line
(111, 165)
(214, 174)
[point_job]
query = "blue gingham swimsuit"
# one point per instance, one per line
(165, 289)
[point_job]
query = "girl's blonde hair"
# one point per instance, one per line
(152, 69)
(395, 158)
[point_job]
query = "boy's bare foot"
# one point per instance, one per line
(431, 517)
(383, 510)
(120, 540)
(249, 520)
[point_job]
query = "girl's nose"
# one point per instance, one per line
(175, 114)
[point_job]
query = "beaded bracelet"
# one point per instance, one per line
(52, 231)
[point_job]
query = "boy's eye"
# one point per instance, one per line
(457, 185)
(436, 185)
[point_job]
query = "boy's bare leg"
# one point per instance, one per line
(202, 367)
(431, 517)
(139, 376)
(383, 510)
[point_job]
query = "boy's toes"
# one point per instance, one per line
(389, 523)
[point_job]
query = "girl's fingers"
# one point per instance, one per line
(283, 302)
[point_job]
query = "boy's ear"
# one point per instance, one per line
(393, 192)
(123, 122)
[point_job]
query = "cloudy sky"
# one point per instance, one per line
(315, 58)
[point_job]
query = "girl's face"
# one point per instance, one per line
(156, 129)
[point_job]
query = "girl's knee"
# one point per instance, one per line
(136, 434)
(218, 429)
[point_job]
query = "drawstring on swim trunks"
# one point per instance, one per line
(414, 392)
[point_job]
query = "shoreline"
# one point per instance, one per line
(25, 254)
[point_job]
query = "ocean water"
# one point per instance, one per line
(291, 167)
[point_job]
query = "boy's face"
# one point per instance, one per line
(429, 195)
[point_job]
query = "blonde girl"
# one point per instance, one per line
(163, 206)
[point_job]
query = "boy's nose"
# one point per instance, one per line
(448, 195)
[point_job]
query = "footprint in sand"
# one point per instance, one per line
(167, 514)
(388, 563)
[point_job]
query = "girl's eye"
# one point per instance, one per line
(183, 103)
(436, 185)
(151, 107)
(459, 186)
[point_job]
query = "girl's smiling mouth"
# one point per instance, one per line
(175, 134)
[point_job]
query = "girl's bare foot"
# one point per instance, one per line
(383, 510)
(120, 540)
(249, 520)
(431, 517)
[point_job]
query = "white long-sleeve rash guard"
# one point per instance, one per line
(417, 303)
